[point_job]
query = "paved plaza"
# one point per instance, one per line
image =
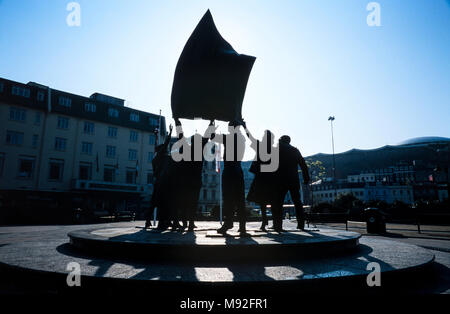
(46, 249)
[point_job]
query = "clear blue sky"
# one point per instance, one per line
(314, 59)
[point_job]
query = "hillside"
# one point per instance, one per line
(355, 160)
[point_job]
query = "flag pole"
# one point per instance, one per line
(159, 127)
(220, 187)
(220, 191)
(155, 210)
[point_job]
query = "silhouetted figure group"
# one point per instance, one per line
(161, 165)
(269, 186)
(288, 180)
(178, 179)
(233, 189)
(187, 178)
(263, 188)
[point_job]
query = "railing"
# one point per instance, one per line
(90, 185)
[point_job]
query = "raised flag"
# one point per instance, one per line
(210, 77)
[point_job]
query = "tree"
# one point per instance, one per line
(316, 169)
(345, 202)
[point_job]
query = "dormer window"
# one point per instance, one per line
(21, 91)
(134, 117)
(113, 112)
(40, 96)
(65, 101)
(90, 107)
(153, 122)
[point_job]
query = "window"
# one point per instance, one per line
(153, 122)
(37, 118)
(113, 112)
(56, 169)
(132, 154)
(34, 140)
(60, 144)
(21, 91)
(26, 167)
(85, 171)
(17, 114)
(40, 96)
(112, 131)
(1, 87)
(109, 174)
(2, 163)
(131, 176)
(213, 195)
(90, 107)
(63, 123)
(14, 138)
(65, 101)
(150, 156)
(133, 136)
(205, 194)
(149, 177)
(134, 117)
(89, 127)
(152, 139)
(86, 148)
(110, 151)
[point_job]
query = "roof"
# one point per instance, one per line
(146, 122)
(425, 140)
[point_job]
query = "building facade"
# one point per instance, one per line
(365, 192)
(93, 152)
(390, 184)
(210, 192)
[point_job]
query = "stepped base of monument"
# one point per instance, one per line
(334, 271)
(205, 244)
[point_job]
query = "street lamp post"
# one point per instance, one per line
(331, 119)
(313, 173)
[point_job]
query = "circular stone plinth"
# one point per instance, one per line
(46, 253)
(205, 244)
